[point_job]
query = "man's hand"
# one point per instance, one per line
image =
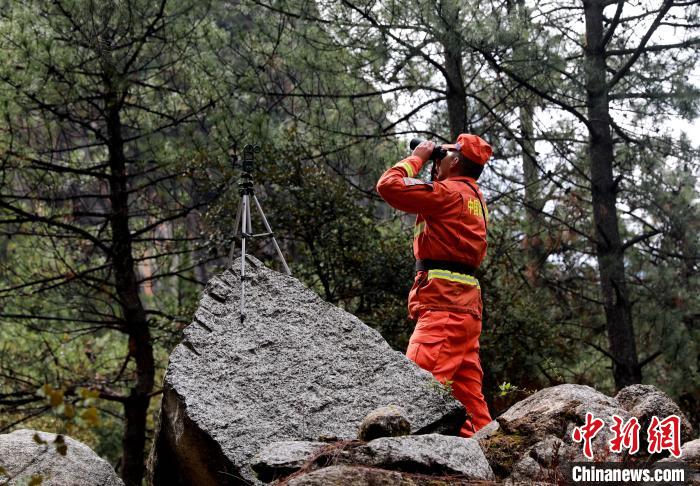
(424, 150)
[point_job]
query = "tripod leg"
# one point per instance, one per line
(235, 225)
(269, 230)
(250, 224)
(244, 235)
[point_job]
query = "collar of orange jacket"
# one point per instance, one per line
(461, 178)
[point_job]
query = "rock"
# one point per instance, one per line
(534, 437)
(545, 462)
(534, 423)
(281, 459)
(364, 476)
(384, 422)
(432, 455)
(692, 475)
(646, 401)
(25, 454)
(690, 458)
(690, 454)
(549, 451)
(298, 368)
(351, 476)
(426, 454)
(503, 451)
(600, 444)
(550, 411)
(486, 431)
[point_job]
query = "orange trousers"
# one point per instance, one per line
(447, 344)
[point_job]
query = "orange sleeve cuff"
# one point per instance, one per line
(412, 165)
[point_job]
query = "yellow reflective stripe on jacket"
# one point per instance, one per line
(418, 228)
(408, 167)
(453, 277)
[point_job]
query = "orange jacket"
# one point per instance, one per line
(450, 226)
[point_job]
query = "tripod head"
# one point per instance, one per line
(249, 152)
(245, 185)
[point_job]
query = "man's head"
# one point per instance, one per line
(467, 157)
(456, 164)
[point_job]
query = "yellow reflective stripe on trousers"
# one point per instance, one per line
(453, 277)
(408, 167)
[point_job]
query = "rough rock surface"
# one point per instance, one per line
(427, 454)
(601, 448)
(551, 410)
(544, 462)
(387, 421)
(690, 454)
(546, 418)
(534, 437)
(351, 476)
(298, 368)
(690, 458)
(282, 458)
(364, 476)
(646, 401)
(22, 458)
(486, 431)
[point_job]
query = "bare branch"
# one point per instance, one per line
(640, 48)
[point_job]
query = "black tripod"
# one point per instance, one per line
(245, 189)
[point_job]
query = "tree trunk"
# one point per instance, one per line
(456, 96)
(134, 315)
(626, 370)
(534, 202)
(456, 93)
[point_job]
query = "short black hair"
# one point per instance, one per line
(468, 167)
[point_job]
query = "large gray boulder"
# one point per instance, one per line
(647, 401)
(432, 455)
(347, 475)
(297, 368)
(534, 436)
(551, 411)
(54, 460)
(532, 440)
(427, 454)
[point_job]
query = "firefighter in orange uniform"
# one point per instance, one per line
(449, 244)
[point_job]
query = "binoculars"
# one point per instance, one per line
(438, 151)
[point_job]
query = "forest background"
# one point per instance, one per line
(118, 192)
